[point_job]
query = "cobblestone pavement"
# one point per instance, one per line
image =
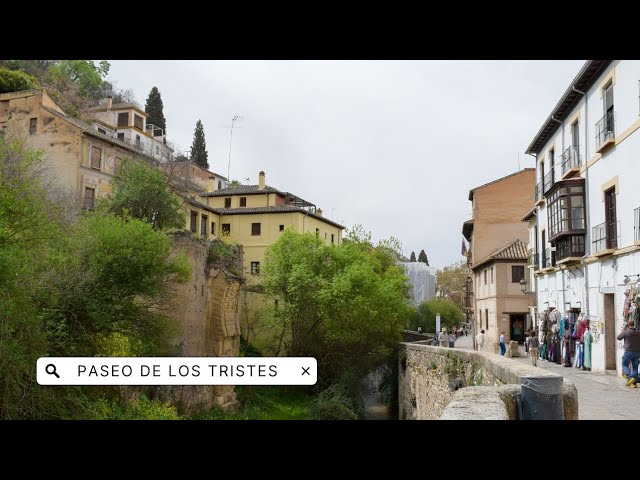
(600, 396)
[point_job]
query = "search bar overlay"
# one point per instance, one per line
(177, 370)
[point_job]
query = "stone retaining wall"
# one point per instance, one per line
(452, 383)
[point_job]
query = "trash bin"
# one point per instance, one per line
(542, 398)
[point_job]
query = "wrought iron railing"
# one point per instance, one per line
(636, 224)
(538, 191)
(599, 238)
(546, 258)
(533, 258)
(570, 159)
(605, 128)
(548, 181)
(604, 237)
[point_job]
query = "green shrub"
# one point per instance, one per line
(15, 80)
(138, 409)
(335, 403)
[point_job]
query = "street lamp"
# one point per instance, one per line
(523, 285)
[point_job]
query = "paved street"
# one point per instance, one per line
(600, 396)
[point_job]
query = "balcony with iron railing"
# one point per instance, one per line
(533, 258)
(571, 162)
(539, 195)
(549, 180)
(605, 131)
(604, 238)
(547, 258)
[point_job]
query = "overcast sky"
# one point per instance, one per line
(392, 145)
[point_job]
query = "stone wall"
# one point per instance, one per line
(207, 310)
(452, 383)
(411, 336)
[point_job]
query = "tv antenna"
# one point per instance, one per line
(236, 118)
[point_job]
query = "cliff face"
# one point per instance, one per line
(207, 309)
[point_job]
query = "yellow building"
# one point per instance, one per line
(84, 156)
(256, 215)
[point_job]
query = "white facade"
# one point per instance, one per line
(590, 276)
(423, 281)
(128, 123)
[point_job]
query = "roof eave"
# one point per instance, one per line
(583, 76)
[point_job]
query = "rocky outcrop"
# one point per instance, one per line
(207, 311)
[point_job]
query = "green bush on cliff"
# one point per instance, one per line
(72, 285)
(15, 81)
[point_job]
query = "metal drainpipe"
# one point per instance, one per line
(587, 236)
(535, 277)
(561, 270)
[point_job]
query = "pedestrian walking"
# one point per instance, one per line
(503, 348)
(480, 340)
(631, 355)
(533, 343)
(444, 338)
(452, 339)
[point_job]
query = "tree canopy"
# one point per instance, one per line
(422, 257)
(199, 147)
(155, 109)
(144, 193)
(343, 304)
(73, 84)
(451, 281)
(425, 315)
(413, 257)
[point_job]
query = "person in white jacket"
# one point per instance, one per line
(480, 340)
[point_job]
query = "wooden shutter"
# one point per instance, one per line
(96, 155)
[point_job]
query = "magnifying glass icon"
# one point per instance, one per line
(51, 370)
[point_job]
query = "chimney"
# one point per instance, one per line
(261, 181)
(211, 184)
(109, 102)
(319, 211)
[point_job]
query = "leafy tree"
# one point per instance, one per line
(181, 157)
(143, 192)
(88, 75)
(234, 183)
(451, 281)
(72, 285)
(154, 108)
(199, 147)
(413, 257)
(73, 84)
(344, 305)
(422, 257)
(14, 81)
(425, 315)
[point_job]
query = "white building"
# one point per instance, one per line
(423, 281)
(128, 123)
(585, 226)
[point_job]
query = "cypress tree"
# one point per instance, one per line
(422, 257)
(199, 147)
(154, 108)
(413, 257)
